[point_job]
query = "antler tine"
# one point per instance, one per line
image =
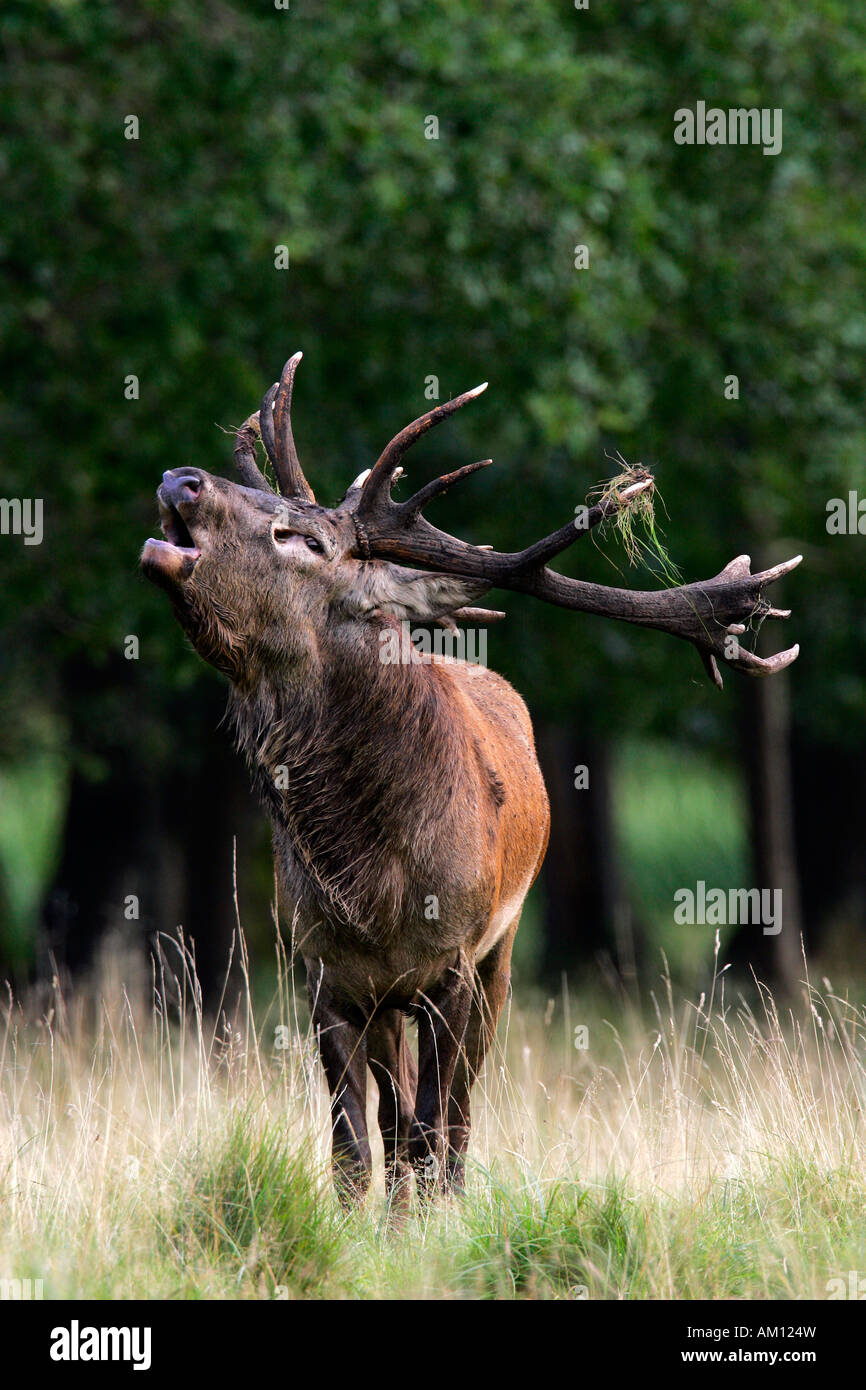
(478, 615)
(245, 455)
(266, 423)
(438, 485)
(287, 465)
(383, 469)
(352, 495)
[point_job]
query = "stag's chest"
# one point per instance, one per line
(364, 971)
(384, 931)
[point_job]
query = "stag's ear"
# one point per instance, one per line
(415, 595)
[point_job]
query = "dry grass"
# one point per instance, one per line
(715, 1150)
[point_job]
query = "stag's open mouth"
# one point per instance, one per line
(174, 528)
(175, 557)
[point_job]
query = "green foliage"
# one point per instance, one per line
(680, 818)
(31, 815)
(412, 257)
(451, 256)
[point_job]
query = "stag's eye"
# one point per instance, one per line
(282, 536)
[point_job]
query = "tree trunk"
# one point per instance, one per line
(587, 917)
(148, 846)
(205, 827)
(775, 959)
(830, 822)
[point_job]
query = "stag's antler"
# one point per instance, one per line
(708, 613)
(273, 424)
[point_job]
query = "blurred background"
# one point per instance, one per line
(418, 250)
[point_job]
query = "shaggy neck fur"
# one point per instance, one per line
(357, 761)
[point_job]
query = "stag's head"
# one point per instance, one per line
(257, 575)
(261, 578)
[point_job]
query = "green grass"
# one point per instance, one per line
(707, 1152)
(249, 1200)
(254, 1237)
(634, 519)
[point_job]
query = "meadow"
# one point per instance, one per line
(702, 1148)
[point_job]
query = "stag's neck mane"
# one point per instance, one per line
(355, 759)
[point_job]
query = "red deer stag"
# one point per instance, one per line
(409, 813)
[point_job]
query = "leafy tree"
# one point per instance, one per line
(421, 249)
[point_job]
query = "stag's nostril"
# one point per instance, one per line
(183, 487)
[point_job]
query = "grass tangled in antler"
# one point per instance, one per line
(634, 517)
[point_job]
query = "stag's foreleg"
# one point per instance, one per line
(492, 977)
(443, 1015)
(393, 1068)
(342, 1044)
